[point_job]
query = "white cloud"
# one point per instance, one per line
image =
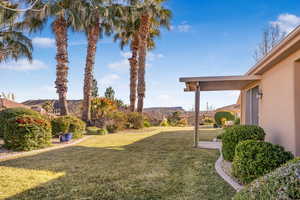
(286, 22)
(109, 79)
(184, 27)
(23, 65)
(124, 63)
(43, 41)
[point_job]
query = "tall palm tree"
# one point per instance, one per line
(13, 43)
(98, 17)
(64, 14)
(128, 34)
(152, 13)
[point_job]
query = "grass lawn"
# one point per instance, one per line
(152, 164)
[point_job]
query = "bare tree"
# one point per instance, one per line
(270, 38)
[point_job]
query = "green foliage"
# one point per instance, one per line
(182, 122)
(174, 118)
(208, 120)
(68, 124)
(102, 131)
(111, 128)
(164, 123)
(109, 93)
(237, 121)
(27, 132)
(48, 107)
(101, 107)
(222, 117)
(6, 114)
(60, 125)
(96, 131)
(77, 126)
(147, 124)
(118, 119)
(95, 89)
(282, 183)
(256, 158)
(135, 120)
(233, 135)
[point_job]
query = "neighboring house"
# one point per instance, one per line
(234, 109)
(6, 103)
(270, 92)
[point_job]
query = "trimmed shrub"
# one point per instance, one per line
(164, 123)
(77, 126)
(283, 183)
(111, 128)
(222, 117)
(96, 131)
(6, 114)
(147, 124)
(60, 125)
(135, 120)
(233, 135)
(256, 158)
(102, 131)
(182, 123)
(119, 119)
(237, 121)
(27, 132)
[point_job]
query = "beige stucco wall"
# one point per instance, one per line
(279, 113)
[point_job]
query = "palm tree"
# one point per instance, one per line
(152, 13)
(98, 18)
(128, 34)
(13, 44)
(64, 14)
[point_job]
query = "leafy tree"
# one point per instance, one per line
(13, 43)
(95, 90)
(110, 93)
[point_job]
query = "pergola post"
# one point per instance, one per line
(197, 111)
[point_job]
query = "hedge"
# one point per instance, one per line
(60, 125)
(219, 116)
(283, 183)
(68, 124)
(6, 114)
(27, 132)
(233, 135)
(256, 158)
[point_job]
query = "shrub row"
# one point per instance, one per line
(251, 156)
(24, 129)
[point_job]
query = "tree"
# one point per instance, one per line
(64, 13)
(98, 18)
(13, 43)
(151, 14)
(95, 90)
(110, 93)
(270, 38)
(48, 107)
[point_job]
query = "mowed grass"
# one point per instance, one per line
(152, 164)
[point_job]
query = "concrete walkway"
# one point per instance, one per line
(218, 164)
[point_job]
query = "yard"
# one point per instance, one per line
(156, 163)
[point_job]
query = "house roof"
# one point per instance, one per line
(287, 46)
(5, 103)
(218, 82)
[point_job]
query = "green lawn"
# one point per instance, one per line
(153, 164)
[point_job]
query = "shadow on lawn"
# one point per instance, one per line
(162, 166)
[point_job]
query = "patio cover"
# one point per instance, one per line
(216, 83)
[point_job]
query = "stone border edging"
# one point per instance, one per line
(17, 154)
(218, 164)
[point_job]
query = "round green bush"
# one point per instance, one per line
(6, 114)
(111, 128)
(221, 116)
(76, 127)
(256, 158)
(102, 131)
(135, 120)
(24, 133)
(283, 183)
(233, 135)
(60, 125)
(164, 123)
(147, 124)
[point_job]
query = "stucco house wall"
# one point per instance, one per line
(279, 113)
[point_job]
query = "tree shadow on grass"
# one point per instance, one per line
(162, 166)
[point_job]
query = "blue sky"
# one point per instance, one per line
(208, 38)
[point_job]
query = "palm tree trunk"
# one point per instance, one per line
(144, 31)
(133, 71)
(60, 30)
(93, 37)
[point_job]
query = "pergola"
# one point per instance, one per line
(216, 83)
